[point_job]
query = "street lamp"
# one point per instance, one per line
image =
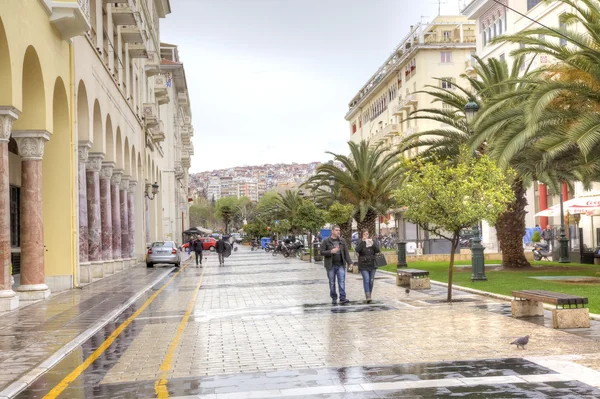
(276, 222)
(477, 258)
(563, 243)
(154, 190)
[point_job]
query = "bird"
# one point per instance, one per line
(407, 291)
(522, 341)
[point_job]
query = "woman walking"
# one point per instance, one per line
(366, 250)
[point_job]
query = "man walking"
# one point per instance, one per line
(336, 256)
(198, 247)
(547, 235)
(221, 251)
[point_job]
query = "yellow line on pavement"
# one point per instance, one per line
(58, 389)
(160, 386)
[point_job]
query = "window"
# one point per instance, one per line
(447, 83)
(562, 25)
(532, 3)
(500, 26)
(489, 30)
(15, 216)
(447, 35)
(541, 38)
(495, 29)
(446, 56)
(353, 128)
(502, 57)
(484, 38)
(446, 107)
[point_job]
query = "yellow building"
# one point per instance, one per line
(80, 83)
(379, 111)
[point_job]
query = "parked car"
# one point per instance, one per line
(163, 252)
(209, 243)
(237, 237)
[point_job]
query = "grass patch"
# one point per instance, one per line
(505, 281)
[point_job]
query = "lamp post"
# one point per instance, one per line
(401, 242)
(276, 222)
(154, 190)
(563, 243)
(477, 257)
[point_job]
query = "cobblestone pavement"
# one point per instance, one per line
(263, 326)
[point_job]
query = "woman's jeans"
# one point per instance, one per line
(338, 272)
(368, 276)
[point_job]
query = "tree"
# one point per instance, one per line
(288, 205)
(366, 180)
(341, 214)
(447, 197)
(202, 214)
(283, 226)
(226, 209)
(309, 218)
(256, 229)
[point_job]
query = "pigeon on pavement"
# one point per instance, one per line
(407, 291)
(522, 341)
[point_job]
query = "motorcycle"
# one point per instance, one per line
(255, 246)
(269, 247)
(541, 250)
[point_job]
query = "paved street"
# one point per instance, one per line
(263, 326)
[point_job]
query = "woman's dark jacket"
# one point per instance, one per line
(366, 255)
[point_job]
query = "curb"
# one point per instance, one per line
(28, 378)
(593, 316)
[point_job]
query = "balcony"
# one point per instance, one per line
(116, 1)
(137, 50)
(191, 149)
(150, 115)
(131, 34)
(411, 130)
(398, 109)
(160, 86)
(187, 120)
(153, 64)
(71, 18)
(124, 16)
(182, 98)
(185, 162)
(158, 133)
(390, 130)
(409, 101)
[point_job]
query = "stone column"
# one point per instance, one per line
(106, 217)
(147, 216)
(84, 264)
(131, 209)
(125, 222)
(93, 166)
(116, 219)
(8, 299)
(31, 148)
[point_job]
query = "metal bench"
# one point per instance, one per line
(569, 311)
(416, 279)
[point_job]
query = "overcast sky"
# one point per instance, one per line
(270, 80)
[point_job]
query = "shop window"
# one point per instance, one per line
(15, 216)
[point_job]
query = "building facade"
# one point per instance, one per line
(82, 182)
(440, 49)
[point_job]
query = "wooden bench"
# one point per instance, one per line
(415, 279)
(569, 311)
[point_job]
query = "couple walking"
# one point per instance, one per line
(336, 256)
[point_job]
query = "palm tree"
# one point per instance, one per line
(567, 103)
(289, 203)
(493, 83)
(366, 180)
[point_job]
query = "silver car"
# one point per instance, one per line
(163, 252)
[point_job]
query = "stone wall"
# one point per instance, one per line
(392, 257)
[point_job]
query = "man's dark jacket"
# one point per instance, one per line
(327, 246)
(220, 246)
(198, 246)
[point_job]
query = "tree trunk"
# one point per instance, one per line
(367, 223)
(510, 228)
(346, 231)
(451, 267)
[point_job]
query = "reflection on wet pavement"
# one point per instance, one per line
(262, 326)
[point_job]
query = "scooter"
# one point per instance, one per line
(541, 250)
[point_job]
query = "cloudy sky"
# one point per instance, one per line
(270, 80)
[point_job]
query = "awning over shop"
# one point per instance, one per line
(197, 230)
(580, 205)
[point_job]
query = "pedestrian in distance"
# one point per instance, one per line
(548, 235)
(336, 257)
(190, 245)
(366, 250)
(198, 248)
(221, 251)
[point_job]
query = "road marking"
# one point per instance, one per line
(160, 386)
(61, 386)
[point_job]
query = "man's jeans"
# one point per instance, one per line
(340, 273)
(198, 258)
(368, 279)
(221, 258)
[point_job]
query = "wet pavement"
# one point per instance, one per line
(263, 326)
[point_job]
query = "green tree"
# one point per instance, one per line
(447, 197)
(310, 218)
(366, 180)
(226, 209)
(256, 229)
(282, 227)
(288, 206)
(202, 214)
(341, 214)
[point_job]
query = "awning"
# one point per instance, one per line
(197, 230)
(580, 205)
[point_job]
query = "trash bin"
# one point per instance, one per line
(317, 252)
(264, 241)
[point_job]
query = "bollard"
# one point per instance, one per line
(477, 259)
(401, 254)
